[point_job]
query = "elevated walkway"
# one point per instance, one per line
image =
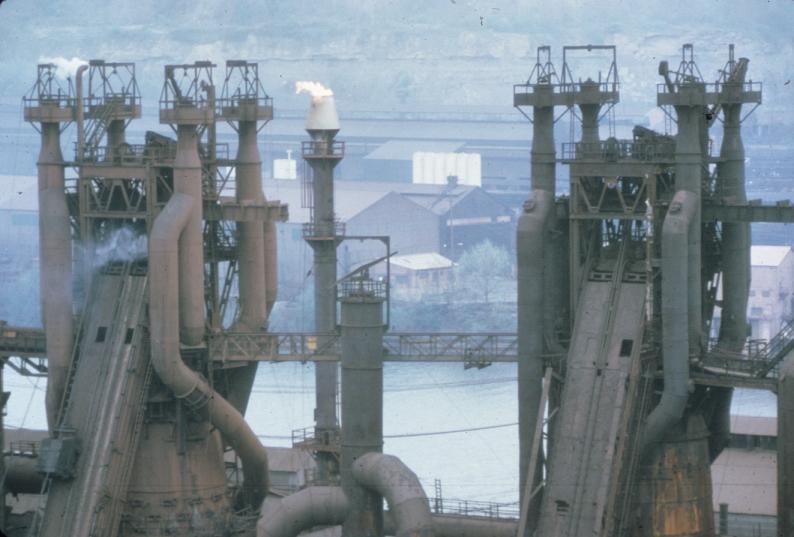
(101, 413)
(586, 452)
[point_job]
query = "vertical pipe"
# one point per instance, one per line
(723, 519)
(165, 276)
(324, 246)
(116, 134)
(361, 344)
(688, 175)
(537, 292)
(253, 307)
(79, 110)
(736, 242)
(735, 235)
(271, 265)
(187, 180)
(55, 254)
(676, 230)
(785, 448)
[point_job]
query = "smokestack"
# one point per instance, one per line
(322, 114)
(322, 234)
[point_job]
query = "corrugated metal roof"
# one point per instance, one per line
(425, 261)
(753, 425)
(768, 256)
(405, 149)
(746, 480)
(352, 197)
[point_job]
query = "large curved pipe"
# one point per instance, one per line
(675, 318)
(56, 294)
(530, 249)
(310, 507)
(184, 382)
(389, 477)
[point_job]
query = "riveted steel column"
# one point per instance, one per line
(362, 407)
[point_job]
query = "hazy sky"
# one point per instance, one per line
(380, 54)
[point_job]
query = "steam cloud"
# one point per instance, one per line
(315, 89)
(122, 245)
(64, 67)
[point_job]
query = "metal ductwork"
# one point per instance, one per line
(530, 248)
(56, 288)
(310, 507)
(675, 319)
(187, 384)
(187, 180)
(253, 307)
(392, 479)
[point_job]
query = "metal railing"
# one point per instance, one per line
(362, 288)
(620, 150)
(121, 104)
(757, 360)
(454, 506)
(58, 100)
(567, 87)
(397, 346)
(323, 230)
(24, 448)
(322, 149)
(238, 101)
(714, 87)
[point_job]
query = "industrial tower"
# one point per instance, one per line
(623, 398)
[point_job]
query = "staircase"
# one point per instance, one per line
(762, 363)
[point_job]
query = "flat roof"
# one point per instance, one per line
(768, 256)
(423, 261)
(753, 425)
(405, 149)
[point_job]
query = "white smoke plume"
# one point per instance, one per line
(64, 67)
(122, 245)
(315, 89)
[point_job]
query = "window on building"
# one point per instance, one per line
(766, 293)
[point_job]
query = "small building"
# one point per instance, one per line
(771, 302)
(393, 160)
(415, 275)
(744, 478)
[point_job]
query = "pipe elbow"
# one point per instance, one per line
(675, 321)
(391, 478)
(310, 507)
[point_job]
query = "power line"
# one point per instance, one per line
(451, 431)
(414, 435)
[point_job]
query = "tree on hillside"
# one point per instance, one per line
(482, 268)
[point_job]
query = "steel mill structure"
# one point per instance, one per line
(623, 398)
